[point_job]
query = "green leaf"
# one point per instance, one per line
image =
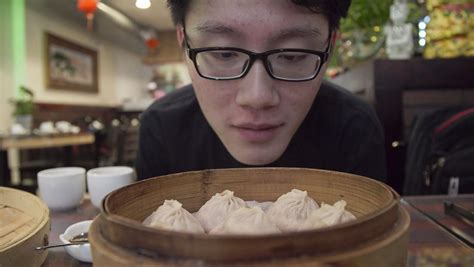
(24, 104)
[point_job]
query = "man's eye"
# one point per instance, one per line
(292, 57)
(227, 55)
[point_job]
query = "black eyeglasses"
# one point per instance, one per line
(230, 63)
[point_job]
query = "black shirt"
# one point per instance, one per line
(341, 132)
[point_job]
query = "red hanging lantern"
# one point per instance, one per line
(152, 43)
(88, 7)
(150, 38)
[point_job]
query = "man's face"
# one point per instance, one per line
(256, 116)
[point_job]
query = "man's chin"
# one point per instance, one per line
(255, 158)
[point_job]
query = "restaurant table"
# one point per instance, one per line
(10, 145)
(430, 243)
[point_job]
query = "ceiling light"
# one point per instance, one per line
(143, 4)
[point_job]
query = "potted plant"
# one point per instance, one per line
(23, 108)
(362, 31)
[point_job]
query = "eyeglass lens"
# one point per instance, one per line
(227, 64)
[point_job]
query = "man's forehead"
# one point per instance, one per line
(278, 17)
(306, 30)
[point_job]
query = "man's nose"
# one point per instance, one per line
(257, 89)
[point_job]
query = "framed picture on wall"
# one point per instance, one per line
(70, 66)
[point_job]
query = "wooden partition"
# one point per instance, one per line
(31, 160)
(76, 114)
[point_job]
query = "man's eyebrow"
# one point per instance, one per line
(299, 32)
(212, 27)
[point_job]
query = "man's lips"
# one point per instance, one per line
(257, 127)
(257, 133)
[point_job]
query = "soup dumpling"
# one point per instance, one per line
(172, 216)
(328, 215)
(247, 221)
(216, 209)
(291, 210)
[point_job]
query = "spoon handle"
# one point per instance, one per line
(61, 245)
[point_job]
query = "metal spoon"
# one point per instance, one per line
(79, 239)
(62, 245)
(82, 237)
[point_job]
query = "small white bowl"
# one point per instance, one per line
(79, 252)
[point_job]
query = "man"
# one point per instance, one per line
(257, 96)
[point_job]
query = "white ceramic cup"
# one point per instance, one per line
(62, 188)
(103, 180)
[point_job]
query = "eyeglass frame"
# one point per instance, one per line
(253, 56)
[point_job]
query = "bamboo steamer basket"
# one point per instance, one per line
(24, 225)
(379, 236)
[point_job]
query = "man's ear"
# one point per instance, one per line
(334, 37)
(333, 40)
(180, 35)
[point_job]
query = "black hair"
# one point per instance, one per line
(334, 10)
